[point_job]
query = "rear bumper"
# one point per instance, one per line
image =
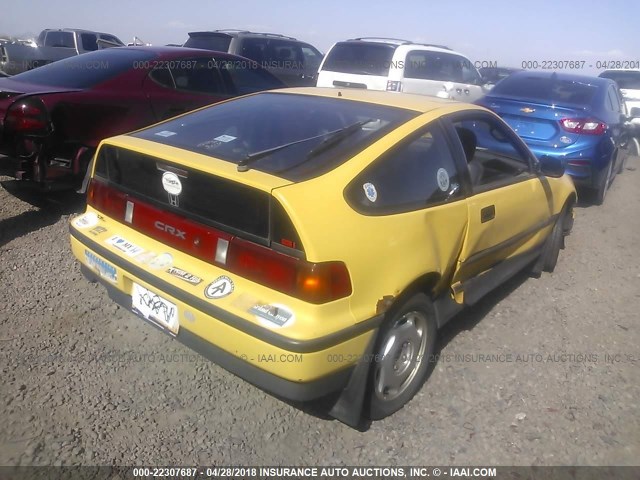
(317, 372)
(584, 162)
(50, 174)
(267, 381)
(582, 175)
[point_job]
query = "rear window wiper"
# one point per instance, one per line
(332, 138)
(335, 137)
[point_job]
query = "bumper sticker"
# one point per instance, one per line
(97, 230)
(104, 269)
(219, 288)
(124, 246)
(162, 261)
(86, 220)
(275, 314)
(184, 275)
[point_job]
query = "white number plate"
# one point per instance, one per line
(155, 308)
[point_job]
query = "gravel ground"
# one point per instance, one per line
(543, 372)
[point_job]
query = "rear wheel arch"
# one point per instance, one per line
(425, 284)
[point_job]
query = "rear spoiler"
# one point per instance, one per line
(210, 34)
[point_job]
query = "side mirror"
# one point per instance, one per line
(488, 86)
(551, 166)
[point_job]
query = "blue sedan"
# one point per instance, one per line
(577, 118)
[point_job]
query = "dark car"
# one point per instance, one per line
(52, 118)
(578, 118)
(292, 61)
(495, 74)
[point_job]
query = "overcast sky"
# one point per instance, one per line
(504, 31)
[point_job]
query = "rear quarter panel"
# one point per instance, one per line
(384, 254)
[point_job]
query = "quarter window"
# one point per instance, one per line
(415, 175)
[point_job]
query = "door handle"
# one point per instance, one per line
(487, 213)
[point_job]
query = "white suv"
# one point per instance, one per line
(629, 84)
(401, 66)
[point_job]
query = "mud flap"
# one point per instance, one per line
(349, 405)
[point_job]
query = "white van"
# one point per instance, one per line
(401, 66)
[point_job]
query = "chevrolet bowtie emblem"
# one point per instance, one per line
(527, 110)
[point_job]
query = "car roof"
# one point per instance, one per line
(244, 33)
(409, 101)
(178, 51)
(395, 41)
(571, 77)
(77, 30)
(635, 70)
(402, 44)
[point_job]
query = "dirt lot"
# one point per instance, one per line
(542, 372)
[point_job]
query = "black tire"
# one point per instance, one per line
(554, 243)
(600, 192)
(403, 354)
(622, 160)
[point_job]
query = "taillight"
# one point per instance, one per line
(394, 86)
(581, 125)
(107, 200)
(27, 116)
(313, 282)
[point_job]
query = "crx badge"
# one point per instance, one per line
(172, 185)
(527, 110)
(220, 287)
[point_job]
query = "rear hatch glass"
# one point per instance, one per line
(308, 135)
(209, 41)
(205, 198)
(360, 58)
(549, 89)
(86, 70)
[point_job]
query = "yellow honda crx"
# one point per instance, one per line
(313, 241)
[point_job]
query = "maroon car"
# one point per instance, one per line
(52, 118)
